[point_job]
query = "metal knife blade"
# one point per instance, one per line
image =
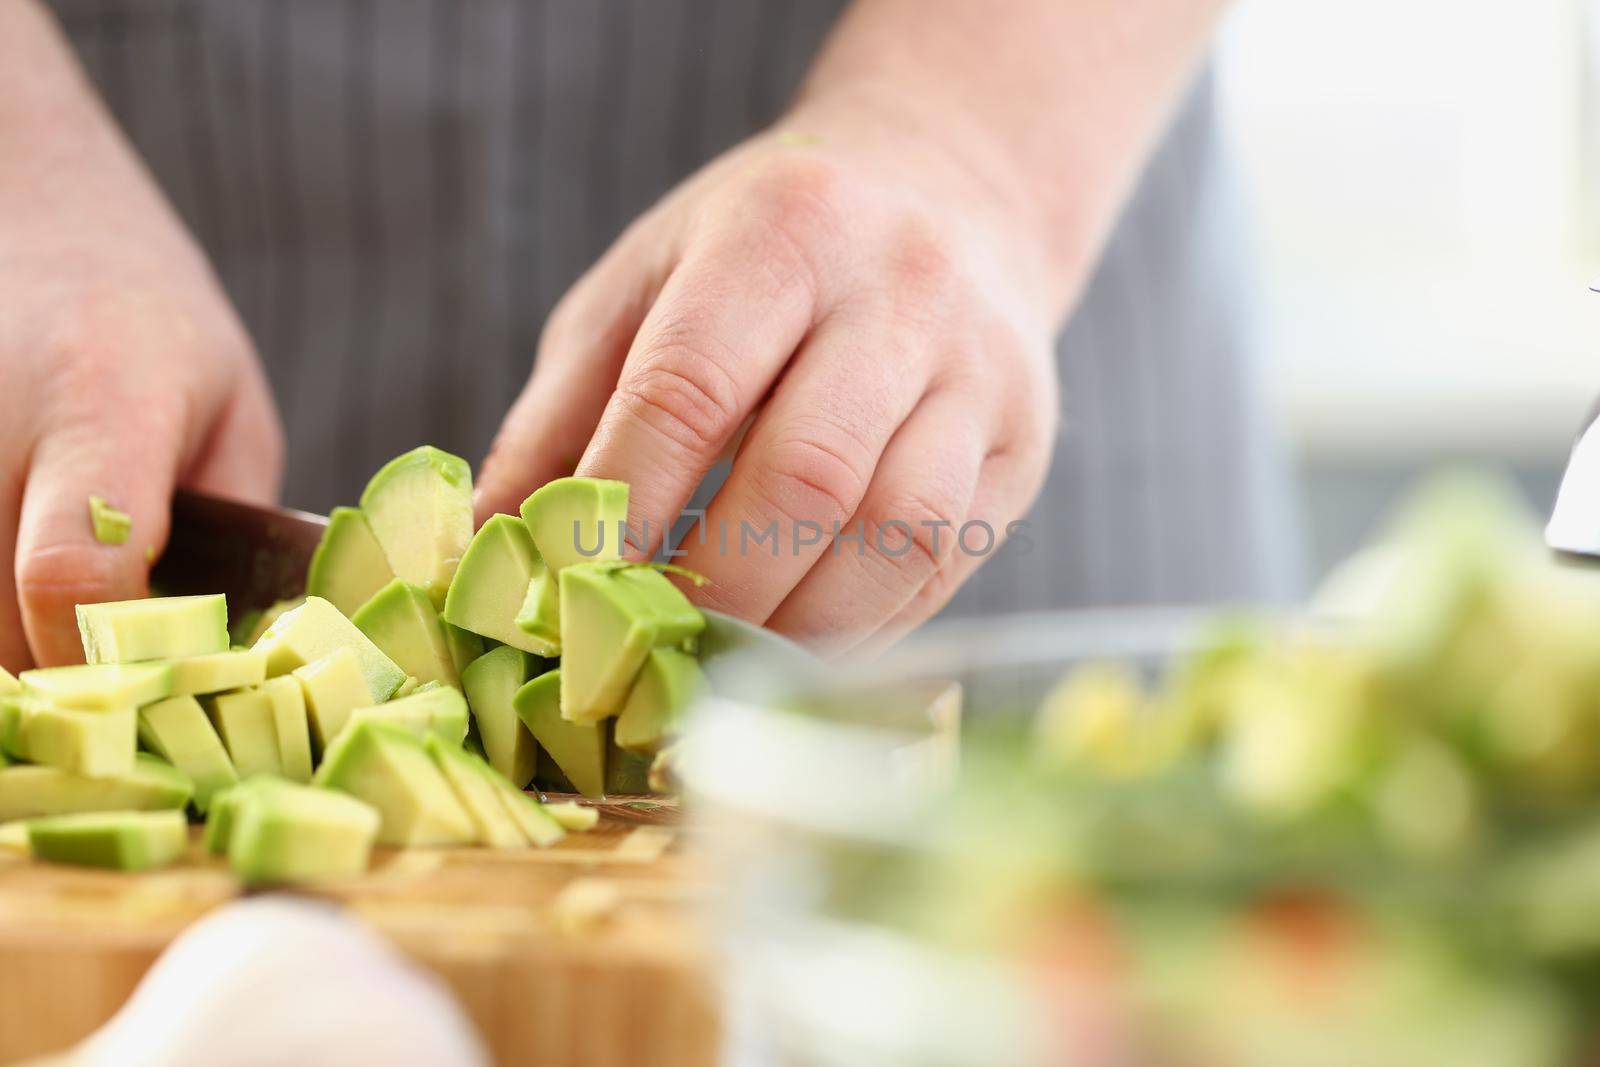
(254, 554)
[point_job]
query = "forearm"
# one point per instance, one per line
(1050, 106)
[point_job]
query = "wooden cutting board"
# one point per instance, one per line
(523, 938)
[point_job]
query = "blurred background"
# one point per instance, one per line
(1423, 178)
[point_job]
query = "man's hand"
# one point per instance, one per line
(868, 293)
(124, 369)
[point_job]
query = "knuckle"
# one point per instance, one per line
(803, 478)
(920, 255)
(925, 522)
(684, 396)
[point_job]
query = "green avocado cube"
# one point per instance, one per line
(247, 724)
(225, 804)
(578, 749)
(487, 594)
(465, 646)
(174, 627)
(315, 630)
(491, 684)
(402, 621)
(217, 671)
(177, 730)
(668, 682)
(100, 687)
(478, 795)
(391, 770)
(420, 508)
(120, 840)
(349, 565)
(296, 834)
(577, 520)
(28, 790)
(606, 633)
(111, 527)
(677, 621)
(540, 614)
(333, 687)
(95, 744)
(433, 710)
(572, 816)
(291, 723)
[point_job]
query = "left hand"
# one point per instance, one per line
(854, 284)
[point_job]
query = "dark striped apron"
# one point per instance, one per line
(396, 192)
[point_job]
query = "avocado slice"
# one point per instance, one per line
(577, 520)
(465, 646)
(333, 687)
(491, 683)
(677, 621)
(217, 671)
(29, 790)
(489, 588)
(478, 795)
(578, 749)
(120, 840)
(292, 725)
(349, 565)
(173, 627)
(111, 527)
(434, 710)
(391, 770)
(540, 614)
(99, 687)
(313, 631)
(95, 744)
(669, 680)
(12, 744)
(247, 723)
(531, 817)
(573, 816)
(297, 834)
(420, 508)
(606, 633)
(177, 730)
(225, 804)
(402, 621)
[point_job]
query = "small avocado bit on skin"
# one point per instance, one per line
(402, 621)
(419, 506)
(111, 527)
(349, 565)
(276, 832)
(119, 840)
(490, 586)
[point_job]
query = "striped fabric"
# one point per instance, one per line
(396, 192)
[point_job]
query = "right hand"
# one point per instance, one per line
(124, 370)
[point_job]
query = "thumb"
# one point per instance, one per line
(118, 445)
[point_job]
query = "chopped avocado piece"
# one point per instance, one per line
(120, 840)
(95, 744)
(540, 614)
(579, 749)
(349, 565)
(249, 635)
(402, 621)
(292, 726)
(174, 627)
(433, 710)
(11, 724)
(247, 724)
(313, 631)
(488, 591)
(478, 796)
(669, 680)
(177, 730)
(677, 621)
(111, 527)
(407, 687)
(605, 636)
(491, 683)
(333, 687)
(465, 646)
(216, 671)
(294, 833)
(27, 791)
(420, 508)
(532, 818)
(101, 686)
(14, 836)
(577, 520)
(573, 816)
(391, 770)
(225, 805)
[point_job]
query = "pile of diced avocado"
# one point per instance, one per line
(429, 676)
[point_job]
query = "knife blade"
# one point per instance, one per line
(254, 554)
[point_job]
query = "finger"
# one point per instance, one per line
(906, 527)
(805, 465)
(725, 324)
(14, 655)
(581, 350)
(243, 459)
(121, 441)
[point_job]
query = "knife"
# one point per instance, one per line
(255, 554)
